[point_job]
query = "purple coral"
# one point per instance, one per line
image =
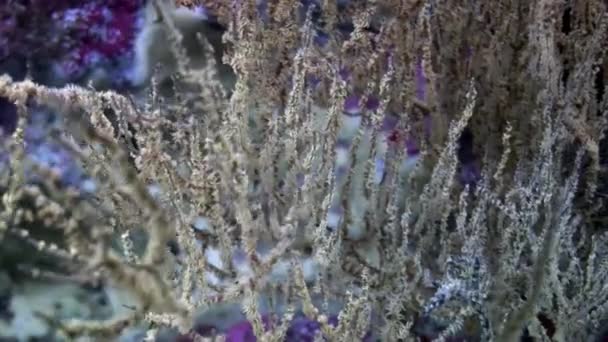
(73, 37)
(243, 331)
(25, 27)
(352, 105)
(301, 329)
(101, 32)
(372, 103)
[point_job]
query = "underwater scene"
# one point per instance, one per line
(303, 170)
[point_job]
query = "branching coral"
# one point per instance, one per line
(420, 172)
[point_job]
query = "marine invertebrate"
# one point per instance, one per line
(383, 175)
(71, 40)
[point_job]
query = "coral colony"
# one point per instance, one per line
(303, 170)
